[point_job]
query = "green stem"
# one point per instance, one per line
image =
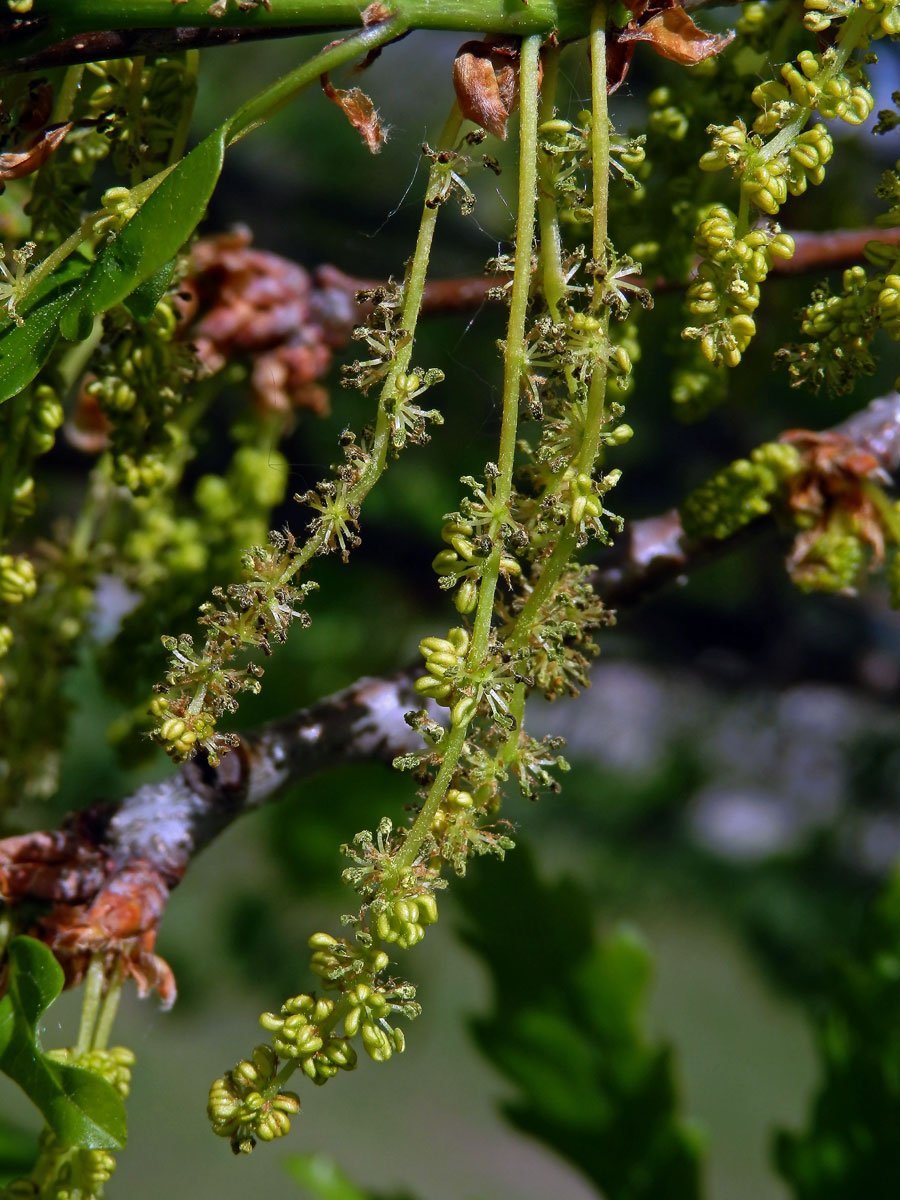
(553, 280)
(595, 414)
(65, 98)
(60, 19)
(90, 1004)
(133, 102)
(189, 84)
(413, 290)
(514, 360)
(409, 851)
(599, 137)
(514, 365)
(107, 1017)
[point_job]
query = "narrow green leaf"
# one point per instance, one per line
(143, 300)
(25, 348)
(80, 1108)
(152, 237)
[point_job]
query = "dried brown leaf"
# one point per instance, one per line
(16, 163)
(478, 89)
(674, 35)
(359, 111)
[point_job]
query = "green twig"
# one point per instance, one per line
(514, 365)
(90, 1004)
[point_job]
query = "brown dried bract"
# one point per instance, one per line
(97, 905)
(14, 164)
(374, 13)
(486, 80)
(359, 111)
(836, 478)
(666, 27)
(255, 304)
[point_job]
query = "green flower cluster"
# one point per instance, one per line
(200, 685)
(840, 327)
(66, 1173)
(132, 111)
(139, 376)
(726, 291)
(740, 493)
(247, 1103)
(113, 1064)
(139, 104)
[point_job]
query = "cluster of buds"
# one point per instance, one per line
(401, 920)
(63, 1172)
(199, 686)
(141, 100)
(367, 1015)
(463, 561)
(131, 397)
(665, 118)
(113, 1065)
(587, 343)
(563, 154)
(18, 581)
(832, 562)
(445, 659)
(245, 1104)
(302, 1031)
(726, 290)
(840, 328)
(821, 13)
(740, 493)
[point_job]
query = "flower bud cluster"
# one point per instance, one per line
(12, 282)
(18, 581)
(138, 377)
(302, 1031)
(825, 83)
(63, 1172)
(740, 493)
(408, 419)
(840, 327)
(726, 291)
(821, 13)
(444, 661)
(247, 1103)
(832, 562)
(113, 1065)
(140, 103)
(199, 685)
(463, 561)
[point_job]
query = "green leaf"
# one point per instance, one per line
(323, 1179)
(18, 1151)
(79, 1107)
(25, 348)
(146, 296)
(152, 237)
(850, 1145)
(570, 1035)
